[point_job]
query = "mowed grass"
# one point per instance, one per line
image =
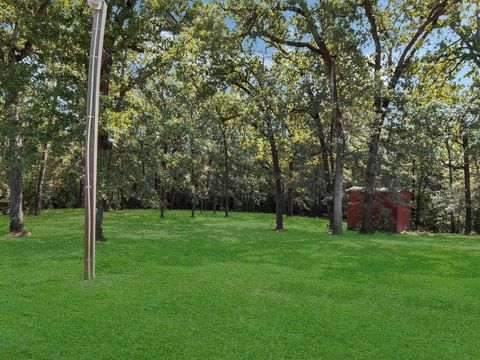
(216, 288)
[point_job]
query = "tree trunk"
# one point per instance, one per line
(142, 159)
(103, 140)
(422, 185)
(41, 179)
(414, 189)
(99, 221)
(193, 179)
(43, 165)
(371, 170)
(227, 167)
(16, 187)
(193, 206)
(290, 190)
(162, 200)
(16, 175)
(338, 185)
(381, 104)
(290, 201)
(103, 166)
(450, 184)
(278, 181)
(340, 155)
(122, 198)
(163, 176)
(80, 197)
(327, 181)
(468, 193)
(418, 206)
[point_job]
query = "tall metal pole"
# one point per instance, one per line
(95, 63)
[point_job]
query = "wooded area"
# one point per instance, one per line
(275, 105)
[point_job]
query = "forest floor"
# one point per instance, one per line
(217, 288)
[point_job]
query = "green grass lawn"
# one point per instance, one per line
(216, 288)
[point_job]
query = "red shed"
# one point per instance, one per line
(391, 209)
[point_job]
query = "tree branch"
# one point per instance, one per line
(367, 4)
(422, 32)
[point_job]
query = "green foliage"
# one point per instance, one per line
(180, 77)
